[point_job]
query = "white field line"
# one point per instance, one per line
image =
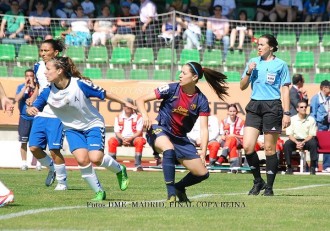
(36, 211)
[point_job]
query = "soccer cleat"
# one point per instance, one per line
(268, 191)
(258, 185)
(24, 167)
(182, 196)
(312, 171)
(99, 196)
(171, 199)
(289, 171)
(38, 168)
(61, 187)
(6, 199)
(123, 178)
(50, 178)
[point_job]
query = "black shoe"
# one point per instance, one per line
(209, 48)
(289, 171)
(312, 171)
(240, 51)
(258, 185)
(268, 191)
(231, 49)
(182, 196)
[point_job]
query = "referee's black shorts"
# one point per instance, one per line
(264, 115)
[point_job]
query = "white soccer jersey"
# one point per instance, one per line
(39, 71)
(72, 104)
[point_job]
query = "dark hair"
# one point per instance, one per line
(301, 101)
(29, 70)
(243, 12)
(57, 44)
(68, 66)
(232, 105)
(271, 41)
(215, 79)
(217, 6)
(194, 10)
(296, 78)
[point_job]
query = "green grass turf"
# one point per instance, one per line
(301, 202)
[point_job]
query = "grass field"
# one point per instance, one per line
(301, 202)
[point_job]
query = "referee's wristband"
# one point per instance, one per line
(247, 73)
(287, 113)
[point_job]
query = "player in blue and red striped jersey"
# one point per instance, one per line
(182, 103)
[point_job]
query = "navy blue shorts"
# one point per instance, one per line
(24, 128)
(183, 148)
(264, 115)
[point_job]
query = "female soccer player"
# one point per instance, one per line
(182, 103)
(68, 96)
(47, 129)
(267, 74)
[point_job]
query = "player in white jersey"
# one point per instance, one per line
(69, 98)
(47, 129)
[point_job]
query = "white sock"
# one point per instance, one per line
(89, 175)
(38, 163)
(3, 189)
(47, 162)
(60, 173)
(111, 164)
(24, 162)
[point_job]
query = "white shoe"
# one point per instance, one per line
(24, 167)
(50, 178)
(326, 170)
(61, 187)
(6, 199)
(38, 168)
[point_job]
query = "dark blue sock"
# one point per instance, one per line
(169, 171)
(189, 180)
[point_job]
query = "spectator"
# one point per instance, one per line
(40, 24)
(192, 25)
(23, 92)
(231, 137)
(104, 28)
(4, 6)
(242, 28)
(320, 110)
(218, 28)
(89, 8)
(112, 7)
(48, 5)
(12, 24)
(314, 10)
(297, 93)
(203, 6)
(213, 145)
(78, 34)
(134, 8)
(266, 11)
(228, 7)
(289, 10)
(128, 128)
(170, 32)
(125, 28)
(301, 132)
(65, 9)
(147, 26)
(179, 5)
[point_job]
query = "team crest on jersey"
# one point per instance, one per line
(157, 131)
(163, 88)
(193, 106)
